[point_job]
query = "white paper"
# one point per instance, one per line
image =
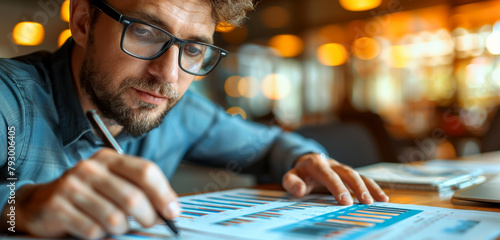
(417, 174)
(260, 214)
(487, 166)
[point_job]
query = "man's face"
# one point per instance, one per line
(135, 93)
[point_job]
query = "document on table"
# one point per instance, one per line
(421, 177)
(261, 214)
(487, 166)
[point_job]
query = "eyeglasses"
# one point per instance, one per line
(145, 41)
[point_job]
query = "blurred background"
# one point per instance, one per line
(372, 80)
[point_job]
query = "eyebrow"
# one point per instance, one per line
(149, 18)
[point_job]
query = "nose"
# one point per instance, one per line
(166, 67)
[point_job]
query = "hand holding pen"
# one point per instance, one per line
(94, 198)
(110, 142)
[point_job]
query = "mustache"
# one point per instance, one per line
(151, 85)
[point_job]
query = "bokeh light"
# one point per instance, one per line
(360, 5)
(28, 33)
(366, 48)
(231, 86)
(237, 111)
(276, 17)
(492, 43)
(248, 87)
(275, 86)
(287, 45)
(224, 27)
(332, 54)
(65, 11)
(400, 56)
(63, 37)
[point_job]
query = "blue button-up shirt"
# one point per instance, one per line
(50, 133)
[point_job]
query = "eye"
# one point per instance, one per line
(194, 50)
(141, 31)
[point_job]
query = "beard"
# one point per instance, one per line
(111, 101)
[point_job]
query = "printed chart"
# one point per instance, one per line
(350, 223)
(259, 214)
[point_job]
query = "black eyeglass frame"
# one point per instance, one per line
(127, 21)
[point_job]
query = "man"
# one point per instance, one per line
(132, 61)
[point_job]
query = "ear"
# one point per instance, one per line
(79, 21)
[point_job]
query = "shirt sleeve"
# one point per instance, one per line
(240, 145)
(13, 135)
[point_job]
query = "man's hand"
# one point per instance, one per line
(96, 196)
(314, 171)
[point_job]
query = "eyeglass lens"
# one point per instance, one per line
(147, 41)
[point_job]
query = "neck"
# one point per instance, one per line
(77, 57)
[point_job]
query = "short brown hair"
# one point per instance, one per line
(230, 11)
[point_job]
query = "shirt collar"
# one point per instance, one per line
(73, 122)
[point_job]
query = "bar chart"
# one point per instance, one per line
(259, 214)
(349, 223)
(269, 214)
(194, 208)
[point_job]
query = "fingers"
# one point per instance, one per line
(375, 190)
(120, 193)
(148, 177)
(314, 170)
(355, 182)
(93, 205)
(77, 223)
(364, 188)
(294, 184)
(331, 180)
(80, 225)
(129, 198)
(95, 196)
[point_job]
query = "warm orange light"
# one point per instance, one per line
(198, 78)
(287, 45)
(360, 5)
(231, 86)
(400, 24)
(332, 54)
(400, 56)
(63, 37)
(65, 11)
(333, 33)
(237, 111)
(275, 86)
(365, 48)
(224, 27)
(28, 33)
(276, 17)
(248, 87)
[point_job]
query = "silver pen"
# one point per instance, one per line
(111, 142)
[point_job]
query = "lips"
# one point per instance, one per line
(150, 97)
